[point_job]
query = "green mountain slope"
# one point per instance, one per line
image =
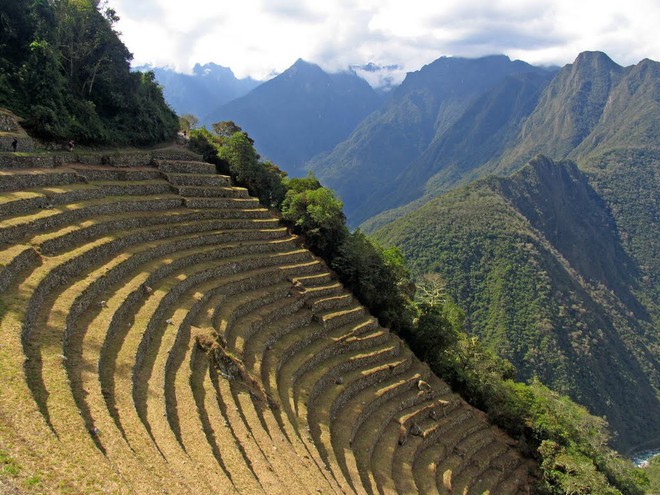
(590, 107)
(537, 262)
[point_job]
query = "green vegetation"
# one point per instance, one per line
(33, 481)
(314, 211)
(8, 466)
(66, 72)
(628, 181)
(653, 473)
(379, 278)
(232, 151)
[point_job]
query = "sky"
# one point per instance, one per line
(261, 38)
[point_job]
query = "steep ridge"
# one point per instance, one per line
(576, 102)
(160, 332)
(537, 262)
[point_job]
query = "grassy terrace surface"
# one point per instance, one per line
(160, 332)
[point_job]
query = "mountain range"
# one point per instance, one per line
(366, 168)
(556, 259)
(208, 86)
(300, 113)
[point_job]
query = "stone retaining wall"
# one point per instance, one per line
(401, 396)
(222, 203)
(176, 154)
(356, 386)
(213, 192)
(23, 181)
(21, 207)
(332, 321)
(185, 167)
(404, 403)
(25, 144)
(17, 160)
(73, 216)
(117, 159)
(115, 174)
(80, 236)
(348, 366)
(27, 258)
(199, 180)
(8, 122)
(331, 350)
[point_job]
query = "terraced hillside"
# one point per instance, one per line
(162, 333)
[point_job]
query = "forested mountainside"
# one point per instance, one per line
(427, 105)
(66, 72)
(538, 262)
(300, 113)
(208, 87)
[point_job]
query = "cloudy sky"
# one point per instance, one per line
(260, 38)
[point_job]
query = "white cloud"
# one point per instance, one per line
(263, 37)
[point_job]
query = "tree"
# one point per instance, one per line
(64, 68)
(379, 278)
(42, 84)
(317, 214)
(187, 122)
(227, 128)
(243, 159)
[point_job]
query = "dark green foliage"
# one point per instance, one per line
(206, 144)
(629, 181)
(65, 70)
(235, 155)
(44, 86)
(379, 278)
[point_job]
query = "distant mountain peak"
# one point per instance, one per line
(212, 69)
(303, 68)
(593, 57)
(593, 63)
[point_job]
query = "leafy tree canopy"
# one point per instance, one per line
(65, 70)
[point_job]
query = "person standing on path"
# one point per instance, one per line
(14, 145)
